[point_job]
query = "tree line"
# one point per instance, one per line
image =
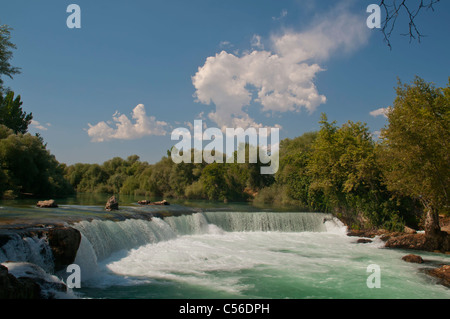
(367, 182)
(403, 178)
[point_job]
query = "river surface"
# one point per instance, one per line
(200, 250)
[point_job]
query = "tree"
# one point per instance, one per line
(12, 115)
(26, 166)
(343, 167)
(415, 147)
(6, 47)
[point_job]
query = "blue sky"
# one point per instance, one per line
(257, 63)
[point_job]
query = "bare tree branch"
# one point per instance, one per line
(394, 8)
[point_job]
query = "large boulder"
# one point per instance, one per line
(17, 288)
(112, 204)
(32, 277)
(64, 243)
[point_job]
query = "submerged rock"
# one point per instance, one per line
(47, 203)
(413, 259)
(363, 241)
(112, 204)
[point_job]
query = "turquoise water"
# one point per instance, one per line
(199, 259)
(224, 253)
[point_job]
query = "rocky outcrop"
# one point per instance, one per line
(411, 258)
(64, 243)
(419, 242)
(17, 288)
(112, 204)
(34, 282)
(442, 274)
(47, 204)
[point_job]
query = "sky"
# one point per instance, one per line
(137, 70)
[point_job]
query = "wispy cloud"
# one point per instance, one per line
(380, 112)
(256, 42)
(122, 128)
(281, 16)
(281, 79)
(39, 126)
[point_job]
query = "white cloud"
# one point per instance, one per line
(124, 128)
(282, 79)
(39, 126)
(380, 112)
(256, 42)
(225, 44)
(281, 16)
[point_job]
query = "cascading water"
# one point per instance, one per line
(28, 249)
(229, 255)
(102, 238)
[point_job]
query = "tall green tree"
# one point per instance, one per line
(12, 115)
(343, 167)
(416, 154)
(6, 47)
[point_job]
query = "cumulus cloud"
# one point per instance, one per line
(281, 79)
(122, 128)
(380, 112)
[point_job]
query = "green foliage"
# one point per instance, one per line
(12, 115)
(6, 47)
(28, 167)
(415, 148)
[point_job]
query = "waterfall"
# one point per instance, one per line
(32, 249)
(282, 222)
(102, 238)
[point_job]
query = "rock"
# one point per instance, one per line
(409, 241)
(368, 233)
(64, 242)
(30, 274)
(147, 202)
(442, 273)
(363, 241)
(413, 259)
(408, 230)
(17, 288)
(112, 204)
(436, 242)
(163, 202)
(47, 203)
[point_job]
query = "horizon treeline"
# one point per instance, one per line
(398, 180)
(401, 179)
